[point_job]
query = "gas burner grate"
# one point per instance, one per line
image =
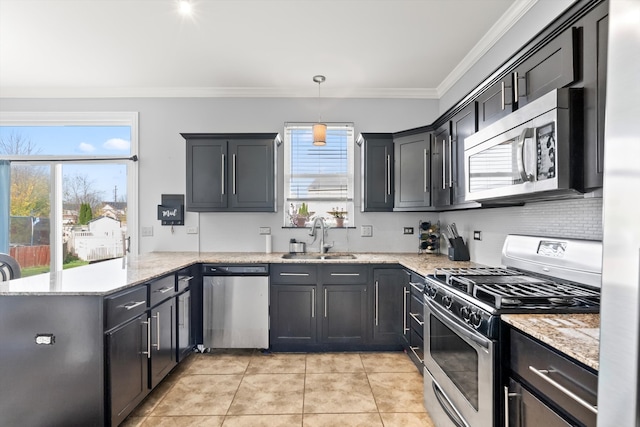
(503, 294)
(474, 271)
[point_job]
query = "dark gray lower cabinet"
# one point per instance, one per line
(128, 373)
(344, 319)
(387, 322)
(293, 316)
(163, 341)
(185, 341)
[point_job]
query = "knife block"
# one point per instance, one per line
(458, 250)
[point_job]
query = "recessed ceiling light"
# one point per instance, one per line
(185, 7)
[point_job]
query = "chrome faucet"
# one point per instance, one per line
(320, 220)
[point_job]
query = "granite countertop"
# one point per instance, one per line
(576, 335)
(111, 276)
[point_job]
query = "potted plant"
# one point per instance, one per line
(302, 216)
(338, 215)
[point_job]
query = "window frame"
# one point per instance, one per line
(55, 162)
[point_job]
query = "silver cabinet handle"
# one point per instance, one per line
(185, 279)
(313, 302)
(542, 373)
(133, 305)
(507, 395)
(444, 167)
(294, 274)
(502, 94)
(224, 179)
(413, 349)
(164, 290)
(404, 310)
(325, 302)
(417, 319)
(376, 298)
(516, 86)
(148, 352)
(388, 174)
(233, 173)
(450, 162)
(426, 189)
(181, 321)
(415, 286)
(345, 274)
(157, 317)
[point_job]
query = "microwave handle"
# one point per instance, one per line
(526, 133)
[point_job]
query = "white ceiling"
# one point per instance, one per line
(365, 48)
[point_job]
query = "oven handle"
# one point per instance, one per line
(526, 133)
(447, 406)
(445, 318)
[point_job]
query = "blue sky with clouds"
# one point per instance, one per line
(82, 141)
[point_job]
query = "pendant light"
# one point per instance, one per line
(319, 129)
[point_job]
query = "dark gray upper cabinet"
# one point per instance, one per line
(412, 168)
(441, 166)
(377, 172)
(551, 67)
(463, 124)
(495, 102)
(230, 172)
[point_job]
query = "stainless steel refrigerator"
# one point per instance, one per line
(620, 311)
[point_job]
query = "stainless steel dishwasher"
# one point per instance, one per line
(235, 306)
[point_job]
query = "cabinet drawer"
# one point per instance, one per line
(124, 306)
(417, 345)
(416, 312)
(343, 274)
(291, 274)
(184, 280)
(161, 289)
(549, 372)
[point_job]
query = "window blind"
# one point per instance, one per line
(319, 172)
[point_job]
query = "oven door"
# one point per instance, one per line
(459, 390)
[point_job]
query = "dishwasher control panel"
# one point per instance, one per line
(235, 270)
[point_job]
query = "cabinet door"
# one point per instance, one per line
(495, 102)
(595, 33)
(185, 342)
(377, 174)
(251, 175)
(206, 174)
(441, 172)
(463, 124)
(412, 172)
(344, 314)
(387, 305)
(293, 311)
(550, 68)
(127, 368)
(163, 341)
(525, 410)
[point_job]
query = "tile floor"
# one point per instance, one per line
(249, 388)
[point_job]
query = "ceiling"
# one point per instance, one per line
(241, 48)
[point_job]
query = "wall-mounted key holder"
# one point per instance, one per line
(171, 211)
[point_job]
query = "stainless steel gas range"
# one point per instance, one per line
(462, 329)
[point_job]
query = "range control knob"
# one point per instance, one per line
(475, 319)
(430, 291)
(447, 301)
(465, 312)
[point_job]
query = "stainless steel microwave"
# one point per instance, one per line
(530, 153)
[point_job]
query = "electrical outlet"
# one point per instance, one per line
(407, 230)
(192, 230)
(146, 231)
(477, 235)
(265, 230)
(366, 230)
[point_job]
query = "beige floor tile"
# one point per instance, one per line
(263, 421)
(338, 393)
(406, 419)
(152, 400)
(334, 362)
(342, 420)
(199, 395)
(207, 421)
(218, 364)
(269, 394)
(279, 363)
(387, 362)
(132, 421)
(397, 392)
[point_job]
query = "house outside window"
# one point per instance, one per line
(319, 180)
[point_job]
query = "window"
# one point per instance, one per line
(318, 179)
(71, 198)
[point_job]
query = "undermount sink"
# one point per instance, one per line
(318, 256)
